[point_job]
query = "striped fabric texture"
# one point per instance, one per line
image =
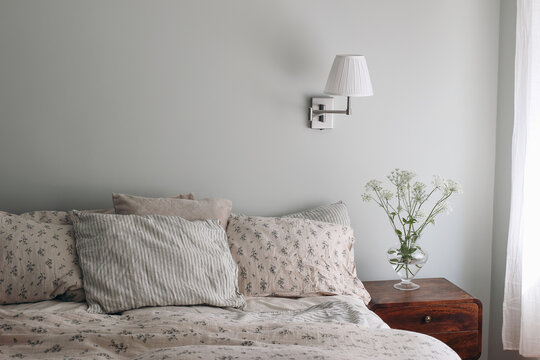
(334, 213)
(131, 261)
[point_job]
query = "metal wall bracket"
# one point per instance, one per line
(324, 121)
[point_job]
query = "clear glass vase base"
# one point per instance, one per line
(406, 285)
(406, 260)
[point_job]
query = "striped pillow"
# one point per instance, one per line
(334, 213)
(131, 261)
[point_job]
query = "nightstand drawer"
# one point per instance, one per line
(468, 344)
(432, 319)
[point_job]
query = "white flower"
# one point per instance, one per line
(419, 186)
(407, 176)
(387, 195)
(374, 185)
(400, 178)
(419, 193)
(449, 187)
(454, 186)
(438, 181)
(366, 197)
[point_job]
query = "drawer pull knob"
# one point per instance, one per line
(427, 319)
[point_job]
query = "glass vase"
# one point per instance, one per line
(406, 260)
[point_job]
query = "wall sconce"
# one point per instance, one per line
(348, 77)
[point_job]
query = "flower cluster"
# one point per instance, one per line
(406, 213)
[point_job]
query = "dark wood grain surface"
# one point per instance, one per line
(432, 318)
(466, 343)
(436, 290)
(439, 309)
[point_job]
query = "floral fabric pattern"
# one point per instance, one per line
(38, 258)
(48, 217)
(68, 331)
(293, 257)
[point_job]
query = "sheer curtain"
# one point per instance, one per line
(521, 307)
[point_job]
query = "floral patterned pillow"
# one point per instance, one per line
(293, 257)
(38, 259)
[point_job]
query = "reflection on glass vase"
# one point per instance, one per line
(406, 261)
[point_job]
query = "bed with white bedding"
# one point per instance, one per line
(132, 288)
(323, 327)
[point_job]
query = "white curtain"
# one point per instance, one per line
(521, 307)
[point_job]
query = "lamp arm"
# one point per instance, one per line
(313, 113)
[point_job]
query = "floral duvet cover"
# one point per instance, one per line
(320, 328)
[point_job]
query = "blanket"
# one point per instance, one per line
(330, 330)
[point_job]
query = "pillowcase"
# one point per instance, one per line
(188, 196)
(334, 213)
(204, 209)
(293, 257)
(131, 261)
(38, 258)
(48, 217)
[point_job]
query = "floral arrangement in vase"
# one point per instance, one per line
(406, 211)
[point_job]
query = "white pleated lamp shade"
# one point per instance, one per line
(349, 76)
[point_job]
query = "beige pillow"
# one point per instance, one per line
(188, 196)
(293, 257)
(205, 209)
(38, 258)
(48, 217)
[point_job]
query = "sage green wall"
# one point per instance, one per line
(161, 97)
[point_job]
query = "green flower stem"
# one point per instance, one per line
(386, 209)
(426, 199)
(432, 214)
(399, 218)
(407, 270)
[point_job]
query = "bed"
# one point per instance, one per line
(128, 283)
(323, 327)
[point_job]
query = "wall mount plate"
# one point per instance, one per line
(325, 121)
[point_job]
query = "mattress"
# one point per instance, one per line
(336, 327)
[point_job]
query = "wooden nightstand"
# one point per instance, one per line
(439, 309)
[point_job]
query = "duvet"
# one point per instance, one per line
(334, 328)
